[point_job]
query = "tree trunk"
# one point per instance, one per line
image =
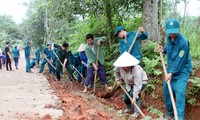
(184, 14)
(46, 26)
(150, 18)
(161, 32)
(109, 22)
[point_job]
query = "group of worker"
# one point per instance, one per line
(58, 57)
(179, 68)
(7, 55)
(127, 66)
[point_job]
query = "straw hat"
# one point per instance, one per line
(126, 60)
(81, 47)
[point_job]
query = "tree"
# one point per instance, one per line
(8, 28)
(150, 18)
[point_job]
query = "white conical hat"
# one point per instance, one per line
(126, 60)
(81, 47)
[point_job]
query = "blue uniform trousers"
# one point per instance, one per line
(16, 61)
(78, 76)
(28, 66)
(178, 88)
(44, 61)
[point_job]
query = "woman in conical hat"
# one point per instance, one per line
(81, 48)
(127, 68)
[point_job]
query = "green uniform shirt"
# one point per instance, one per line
(62, 54)
(91, 55)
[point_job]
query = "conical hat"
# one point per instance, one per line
(126, 60)
(81, 47)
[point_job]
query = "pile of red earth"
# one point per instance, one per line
(77, 105)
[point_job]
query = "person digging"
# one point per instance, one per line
(62, 60)
(135, 80)
(94, 54)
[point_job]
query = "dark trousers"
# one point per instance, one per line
(8, 62)
(90, 75)
(59, 70)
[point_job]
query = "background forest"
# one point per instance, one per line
(70, 20)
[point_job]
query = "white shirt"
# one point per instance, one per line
(135, 77)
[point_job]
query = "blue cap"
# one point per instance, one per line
(48, 44)
(118, 29)
(28, 42)
(172, 26)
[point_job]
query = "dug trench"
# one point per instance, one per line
(79, 106)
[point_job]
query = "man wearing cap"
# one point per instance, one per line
(135, 80)
(37, 56)
(47, 55)
(179, 67)
(16, 56)
(8, 56)
(62, 60)
(28, 57)
(126, 39)
(91, 50)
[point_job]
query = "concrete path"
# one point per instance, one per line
(25, 96)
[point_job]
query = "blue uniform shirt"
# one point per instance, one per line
(27, 51)
(83, 57)
(53, 56)
(178, 56)
(71, 59)
(15, 52)
(136, 47)
(47, 52)
(37, 54)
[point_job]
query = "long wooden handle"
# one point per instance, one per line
(95, 76)
(133, 42)
(78, 72)
(62, 63)
(169, 87)
(50, 63)
(129, 51)
(57, 57)
(132, 100)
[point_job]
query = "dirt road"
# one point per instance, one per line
(30, 96)
(26, 96)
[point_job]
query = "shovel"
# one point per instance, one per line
(78, 72)
(169, 88)
(50, 63)
(95, 74)
(61, 63)
(132, 100)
